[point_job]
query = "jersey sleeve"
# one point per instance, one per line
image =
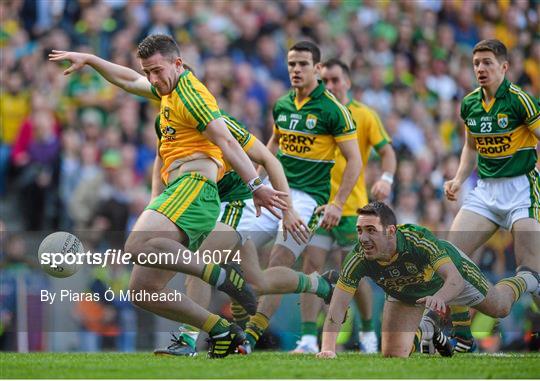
(352, 271)
(530, 110)
(342, 126)
(238, 131)
(201, 105)
(377, 135)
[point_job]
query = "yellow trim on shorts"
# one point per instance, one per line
(170, 199)
(189, 200)
(180, 197)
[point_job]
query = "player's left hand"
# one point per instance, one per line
(433, 303)
(293, 224)
(331, 215)
(270, 198)
(381, 190)
(326, 355)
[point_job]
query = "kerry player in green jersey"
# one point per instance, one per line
(503, 127)
(309, 124)
(417, 271)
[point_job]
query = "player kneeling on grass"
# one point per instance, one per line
(417, 271)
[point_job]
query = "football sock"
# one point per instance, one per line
(309, 328)
(189, 334)
(313, 284)
(213, 274)
(215, 325)
(255, 327)
(520, 283)
(240, 315)
(367, 325)
(461, 322)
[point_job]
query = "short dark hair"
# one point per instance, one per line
(158, 43)
(337, 62)
(308, 46)
(494, 46)
(381, 210)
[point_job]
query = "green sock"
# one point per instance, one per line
(309, 328)
(313, 284)
(461, 322)
(367, 325)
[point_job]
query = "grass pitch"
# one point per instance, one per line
(265, 365)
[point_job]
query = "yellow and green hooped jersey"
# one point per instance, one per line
(503, 130)
(412, 273)
(308, 133)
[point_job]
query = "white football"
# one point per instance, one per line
(57, 254)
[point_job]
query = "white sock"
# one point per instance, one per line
(427, 328)
(309, 339)
(222, 277)
(530, 280)
(314, 282)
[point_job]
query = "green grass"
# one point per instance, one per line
(265, 365)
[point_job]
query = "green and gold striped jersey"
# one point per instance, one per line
(503, 130)
(308, 133)
(231, 187)
(412, 272)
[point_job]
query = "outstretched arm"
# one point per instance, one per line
(334, 320)
(121, 76)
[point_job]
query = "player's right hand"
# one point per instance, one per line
(293, 224)
(270, 198)
(78, 60)
(451, 189)
(326, 355)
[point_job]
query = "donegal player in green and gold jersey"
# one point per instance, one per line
(503, 128)
(193, 146)
(371, 134)
(417, 271)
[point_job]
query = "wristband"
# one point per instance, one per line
(388, 177)
(336, 204)
(254, 184)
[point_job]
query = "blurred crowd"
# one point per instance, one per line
(76, 153)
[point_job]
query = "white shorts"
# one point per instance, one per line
(470, 297)
(328, 243)
(305, 206)
(242, 217)
(506, 200)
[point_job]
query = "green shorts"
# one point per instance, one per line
(344, 235)
(192, 203)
